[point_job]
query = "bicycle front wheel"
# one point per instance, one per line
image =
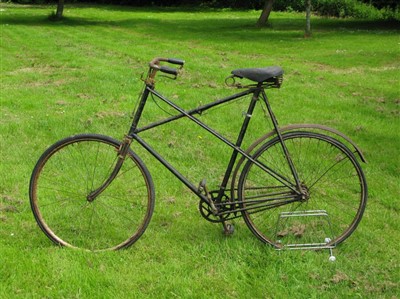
(68, 172)
(330, 175)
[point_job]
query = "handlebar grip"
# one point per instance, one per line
(168, 70)
(176, 61)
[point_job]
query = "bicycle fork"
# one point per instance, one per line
(122, 152)
(123, 149)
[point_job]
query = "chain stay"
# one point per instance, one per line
(228, 210)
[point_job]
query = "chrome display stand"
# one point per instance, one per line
(282, 231)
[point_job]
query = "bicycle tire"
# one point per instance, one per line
(64, 176)
(334, 180)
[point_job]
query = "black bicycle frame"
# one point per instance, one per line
(256, 92)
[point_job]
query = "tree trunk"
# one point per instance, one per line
(308, 19)
(262, 20)
(60, 9)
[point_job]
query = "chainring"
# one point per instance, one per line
(207, 212)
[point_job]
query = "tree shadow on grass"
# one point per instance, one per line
(213, 27)
(280, 24)
(46, 21)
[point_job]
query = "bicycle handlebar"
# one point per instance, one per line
(155, 64)
(176, 61)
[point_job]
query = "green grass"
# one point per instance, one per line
(83, 75)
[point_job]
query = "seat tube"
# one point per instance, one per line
(248, 116)
(239, 141)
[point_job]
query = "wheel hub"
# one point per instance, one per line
(305, 192)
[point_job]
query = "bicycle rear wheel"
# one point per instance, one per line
(68, 172)
(328, 171)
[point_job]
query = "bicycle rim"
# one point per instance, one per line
(330, 174)
(64, 177)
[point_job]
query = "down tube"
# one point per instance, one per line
(175, 172)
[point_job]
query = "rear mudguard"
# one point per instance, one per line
(296, 127)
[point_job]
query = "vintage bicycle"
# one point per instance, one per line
(297, 182)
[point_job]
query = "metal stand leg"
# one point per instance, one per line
(332, 258)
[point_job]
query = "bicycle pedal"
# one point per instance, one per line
(202, 186)
(228, 229)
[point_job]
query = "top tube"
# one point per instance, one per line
(198, 110)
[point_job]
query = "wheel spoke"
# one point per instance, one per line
(66, 174)
(331, 178)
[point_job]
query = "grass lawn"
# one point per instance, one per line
(83, 75)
